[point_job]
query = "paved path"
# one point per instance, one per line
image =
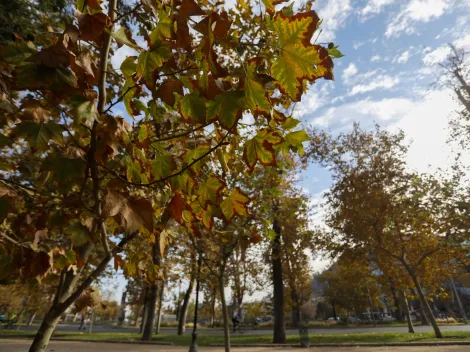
(7, 345)
(65, 327)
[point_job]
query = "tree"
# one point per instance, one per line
(376, 204)
(95, 183)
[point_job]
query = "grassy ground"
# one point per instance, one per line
(205, 340)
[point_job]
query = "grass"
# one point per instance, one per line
(204, 339)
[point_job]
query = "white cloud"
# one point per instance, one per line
(334, 14)
(428, 114)
(316, 97)
(375, 58)
(463, 41)
(365, 111)
(403, 58)
(120, 55)
(416, 11)
(349, 72)
(436, 56)
(380, 82)
(374, 7)
(357, 45)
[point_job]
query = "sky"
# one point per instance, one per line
(391, 48)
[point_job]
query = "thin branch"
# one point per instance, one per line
(127, 13)
(4, 235)
(121, 98)
(220, 143)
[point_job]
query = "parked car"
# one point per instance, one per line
(2, 316)
(333, 319)
(354, 320)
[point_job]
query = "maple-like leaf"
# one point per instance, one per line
(33, 110)
(227, 108)
(193, 109)
(150, 61)
(131, 213)
(255, 92)
(298, 60)
(163, 166)
(124, 37)
(80, 234)
(293, 141)
(191, 155)
(167, 89)
(163, 29)
(235, 204)
(209, 192)
(270, 5)
(261, 148)
(176, 207)
(38, 135)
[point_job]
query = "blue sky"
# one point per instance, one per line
(391, 48)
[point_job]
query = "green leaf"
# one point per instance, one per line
(193, 109)
(294, 140)
(79, 233)
(298, 59)
(150, 61)
(163, 29)
(38, 135)
(65, 171)
(83, 110)
(128, 66)
(270, 5)
(261, 148)
(17, 52)
(290, 123)
(124, 37)
(288, 10)
(134, 171)
(128, 92)
(335, 53)
(33, 77)
(256, 94)
(143, 132)
(227, 108)
(195, 154)
(163, 166)
(235, 204)
(210, 190)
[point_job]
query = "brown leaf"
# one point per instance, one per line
(118, 262)
(83, 65)
(40, 234)
(176, 206)
(33, 110)
(166, 89)
(131, 213)
(92, 27)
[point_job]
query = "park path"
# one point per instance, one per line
(13, 345)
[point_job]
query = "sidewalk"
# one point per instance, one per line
(13, 345)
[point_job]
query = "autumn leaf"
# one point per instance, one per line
(227, 108)
(298, 60)
(193, 109)
(261, 148)
(176, 207)
(235, 204)
(132, 213)
(167, 89)
(79, 233)
(194, 154)
(34, 111)
(255, 92)
(124, 37)
(163, 166)
(118, 262)
(38, 135)
(293, 141)
(150, 61)
(270, 5)
(209, 192)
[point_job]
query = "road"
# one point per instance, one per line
(10, 345)
(97, 328)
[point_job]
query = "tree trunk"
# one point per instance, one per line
(159, 310)
(152, 293)
(212, 316)
(398, 305)
(150, 312)
(457, 298)
(31, 318)
(144, 310)
(122, 312)
(371, 305)
(137, 315)
(223, 303)
(184, 308)
(425, 305)
(295, 308)
(41, 340)
(279, 333)
(404, 300)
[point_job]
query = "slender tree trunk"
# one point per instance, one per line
(150, 312)
(295, 308)
(371, 305)
(398, 304)
(159, 310)
(212, 316)
(41, 340)
(31, 318)
(459, 302)
(184, 308)
(425, 304)
(279, 333)
(223, 303)
(138, 313)
(122, 312)
(144, 310)
(153, 293)
(404, 300)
